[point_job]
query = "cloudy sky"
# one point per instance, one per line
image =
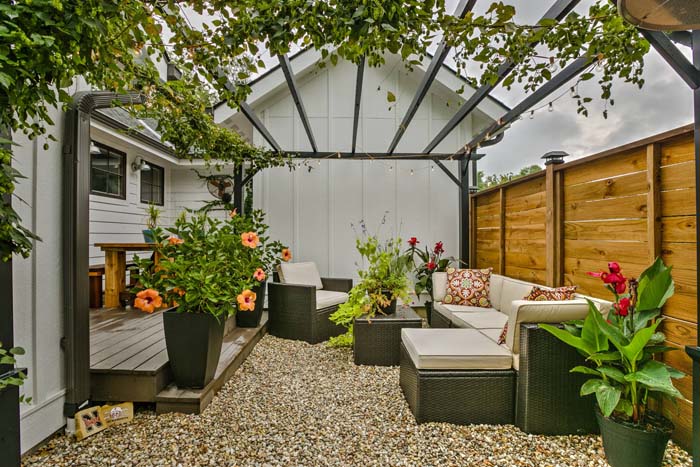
(664, 103)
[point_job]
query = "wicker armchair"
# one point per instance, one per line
(301, 311)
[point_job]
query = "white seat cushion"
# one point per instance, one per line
(301, 274)
(442, 308)
(454, 349)
(493, 334)
(326, 298)
(495, 289)
(466, 308)
(492, 319)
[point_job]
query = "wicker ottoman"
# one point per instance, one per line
(378, 340)
(456, 376)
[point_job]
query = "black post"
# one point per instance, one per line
(9, 397)
(694, 352)
(464, 214)
(238, 189)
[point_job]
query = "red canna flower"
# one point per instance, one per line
(413, 241)
(438, 248)
(622, 308)
(614, 267)
(431, 266)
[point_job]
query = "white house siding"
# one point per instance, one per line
(38, 286)
(312, 210)
(188, 191)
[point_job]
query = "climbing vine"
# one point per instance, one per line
(45, 45)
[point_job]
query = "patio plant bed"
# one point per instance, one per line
(295, 404)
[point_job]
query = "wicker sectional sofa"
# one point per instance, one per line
(457, 372)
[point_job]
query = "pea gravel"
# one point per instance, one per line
(294, 404)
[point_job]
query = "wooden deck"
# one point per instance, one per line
(128, 361)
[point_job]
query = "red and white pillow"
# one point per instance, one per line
(557, 294)
(468, 287)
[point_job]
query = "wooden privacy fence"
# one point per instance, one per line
(629, 204)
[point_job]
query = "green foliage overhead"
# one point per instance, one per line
(487, 181)
(45, 45)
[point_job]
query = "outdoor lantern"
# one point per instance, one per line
(555, 157)
(661, 15)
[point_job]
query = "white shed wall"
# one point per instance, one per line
(312, 210)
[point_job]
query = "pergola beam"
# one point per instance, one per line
(358, 100)
(375, 155)
(443, 49)
(674, 57)
(293, 89)
(571, 70)
(557, 12)
(259, 125)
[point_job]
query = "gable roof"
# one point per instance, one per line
(271, 80)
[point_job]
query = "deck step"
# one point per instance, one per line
(236, 347)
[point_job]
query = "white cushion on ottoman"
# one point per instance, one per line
(454, 349)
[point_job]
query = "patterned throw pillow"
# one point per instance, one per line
(468, 287)
(504, 333)
(558, 294)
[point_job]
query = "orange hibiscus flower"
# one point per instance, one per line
(259, 275)
(148, 300)
(286, 255)
(178, 291)
(173, 240)
(233, 213)
(246, 300)
(250, 239)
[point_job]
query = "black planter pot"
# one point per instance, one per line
(428, 312)
(628, 446)
(391, 308)
(251, 319)
(193, 341)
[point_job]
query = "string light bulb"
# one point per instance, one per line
(432, 168)
(411, 172)
(573, 91)
(391, 167)
(532, 115)
(319, 162)
(550, 108)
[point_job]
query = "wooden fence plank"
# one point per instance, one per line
(627, 163)
(604, 251)
(678, 202)
(629, 207)
(502, 235)
(613, 187)
(628, 229)
(678, 151)
(677, 176)
(653, 201)
(678, 229)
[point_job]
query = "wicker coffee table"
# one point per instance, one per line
(378, 340)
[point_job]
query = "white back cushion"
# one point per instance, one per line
(495, 290)
(512, 289)
(300, 273)
(439, 286)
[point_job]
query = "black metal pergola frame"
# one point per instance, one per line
(76, 189)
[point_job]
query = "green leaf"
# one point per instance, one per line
(625, 407)
(585, 370)
(592, 334)
(17, 351)
(634, 350)
(390, 97)
(608, 397)
(656, 286)
(613, 373)
(568, 338)
(656, 377)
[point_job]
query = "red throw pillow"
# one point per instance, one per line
(504, 333)
(468, 287)
(558, 294)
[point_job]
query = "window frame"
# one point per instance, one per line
(123, 157)
(162, 185)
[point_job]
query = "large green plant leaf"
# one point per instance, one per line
(634, 350)
(585, 370)
(642, 318)
(591, 333)
(613, 333)
(606, 356)
(655, 286)
(656, 377)
(613, 373)
(608, 396)
(568, 338)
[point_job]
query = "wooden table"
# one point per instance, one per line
(115, 268)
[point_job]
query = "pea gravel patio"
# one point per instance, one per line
(294, 404)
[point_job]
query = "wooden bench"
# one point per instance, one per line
(97, 272)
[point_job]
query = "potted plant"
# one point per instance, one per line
(203, 274)
(430, 262)
(153, 216)
(625, 377)
(264, 257)
(382, 283)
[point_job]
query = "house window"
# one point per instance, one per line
(152, 184)
(107, 171)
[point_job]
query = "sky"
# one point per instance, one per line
(664, 103)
